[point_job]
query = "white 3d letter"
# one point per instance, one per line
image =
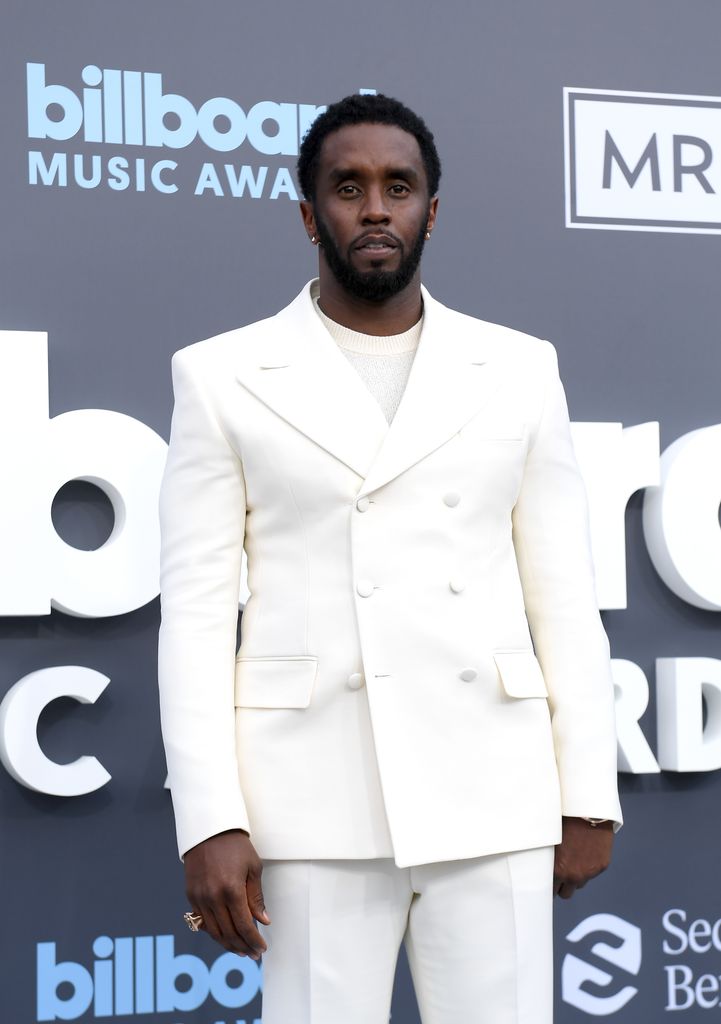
(19, 748)
(125, 459)
(614, 462)
(631, 686)
(25, 523)
(117, 453)
(681, 518)
(684, 745)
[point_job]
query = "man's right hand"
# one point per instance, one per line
(222, 883)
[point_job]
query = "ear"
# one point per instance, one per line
(432, 213)
(306, 212)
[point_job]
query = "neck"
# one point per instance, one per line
(392, 316)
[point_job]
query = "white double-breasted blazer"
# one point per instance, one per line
(422, 673)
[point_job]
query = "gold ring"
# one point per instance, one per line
(193, 921)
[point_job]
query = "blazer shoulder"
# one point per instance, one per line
(506, 342)
(245, 342)
(225, 347)
(531, 350)
(229, 342)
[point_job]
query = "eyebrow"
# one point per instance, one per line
(343, 173)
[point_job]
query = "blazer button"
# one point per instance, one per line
(451, 499)
(457, 585)
(468, 675)
(355, 681)
(365, 588)
(363, 504)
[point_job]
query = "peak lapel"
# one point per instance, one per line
(298, 371)
(454, 374)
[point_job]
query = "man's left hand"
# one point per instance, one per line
(583, 853)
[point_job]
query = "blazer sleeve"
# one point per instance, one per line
(202, 519)
(553, 549)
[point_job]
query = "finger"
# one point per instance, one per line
(220, 932)
(244, 924)
(210, 925)
(256, 903)
(566, 890)
(233, 941)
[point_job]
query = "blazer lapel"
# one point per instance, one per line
(454, 374)
(298, 371)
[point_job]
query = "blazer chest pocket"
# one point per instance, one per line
(497, 428)
(520, 673)
(274, 682)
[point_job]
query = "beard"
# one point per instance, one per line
(376, 284)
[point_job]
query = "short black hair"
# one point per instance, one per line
(365, 109)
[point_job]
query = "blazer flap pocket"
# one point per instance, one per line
(520, 673)
(274, 682)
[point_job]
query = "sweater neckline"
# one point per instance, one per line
(368, 344)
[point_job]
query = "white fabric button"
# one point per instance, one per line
(457, 585)
(468, 675)
(365, 588)
(451, 499)
(355, 681)
(363, 504)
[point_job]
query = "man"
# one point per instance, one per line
(387, 741)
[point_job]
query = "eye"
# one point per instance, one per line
(348, 190)
(399, 189)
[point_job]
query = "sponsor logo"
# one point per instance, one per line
(587, 983)
(131, 109)
(599, 976)
(686, 985)
(141, 975)
(642, 161)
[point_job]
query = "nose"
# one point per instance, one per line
(375, 206)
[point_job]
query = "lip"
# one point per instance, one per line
(379, 244)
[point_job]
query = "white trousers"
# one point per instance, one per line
(478, 935)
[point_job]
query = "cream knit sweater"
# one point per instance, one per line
(382, 362)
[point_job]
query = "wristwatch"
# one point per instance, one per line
(595, 822)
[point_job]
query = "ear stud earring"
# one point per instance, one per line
(428, 235)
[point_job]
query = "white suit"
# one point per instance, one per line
(386, 700)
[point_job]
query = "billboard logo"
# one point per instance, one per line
(642, 161)
(131, 107)
(116, 107)
(584, 983)
(139, 976)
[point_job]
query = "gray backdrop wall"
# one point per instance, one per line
(120, 277)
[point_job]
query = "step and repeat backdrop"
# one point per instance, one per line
(148, 200)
